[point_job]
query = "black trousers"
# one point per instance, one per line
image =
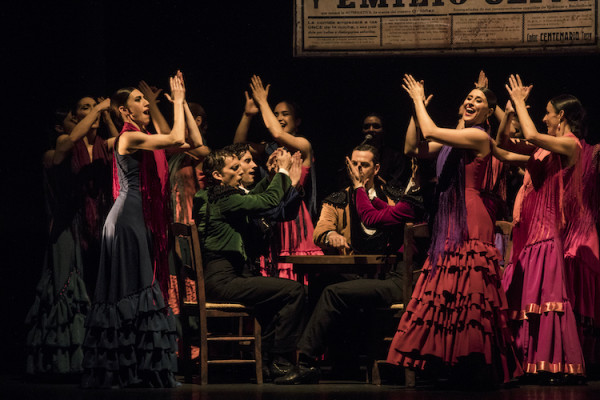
(339, 301)
(279, 303)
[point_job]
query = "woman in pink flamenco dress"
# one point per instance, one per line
(456, 323)
(582, 260)
(536, 281)
(294, 237)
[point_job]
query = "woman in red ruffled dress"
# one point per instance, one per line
(456, 321)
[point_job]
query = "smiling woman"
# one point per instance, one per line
(294, 237)
(462, 271)
(550, 280)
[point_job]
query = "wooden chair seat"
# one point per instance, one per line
(188, 252)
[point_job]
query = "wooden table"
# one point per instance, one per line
(366, 264)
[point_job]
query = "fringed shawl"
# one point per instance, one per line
(550, 196)
(154, 179)
(450, 224)
(92, 179)
(450, 229)
(582, 196)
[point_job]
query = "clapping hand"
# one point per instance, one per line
(150, 93)
(413, 87)
(296, 168)
(250, 108)
(516, 89)
(259, 92)
(177, 89)
(482, 81)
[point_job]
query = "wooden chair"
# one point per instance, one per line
(412, 232)
(187, 250)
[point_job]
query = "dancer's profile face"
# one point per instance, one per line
(248, 169)
(231, 174)
(475, 108)
(137, 105)
(551, 119)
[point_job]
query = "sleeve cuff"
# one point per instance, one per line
(283, 171)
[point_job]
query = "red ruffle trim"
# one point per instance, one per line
(459, 312)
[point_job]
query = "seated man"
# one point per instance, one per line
(263, 242)
(223, 213)
(338, 227)
(338, 301)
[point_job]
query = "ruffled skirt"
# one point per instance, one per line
(458, 316)
(131, 343)
(56, 318)
(542, 315)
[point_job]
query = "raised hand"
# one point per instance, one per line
(151, 93)
(259, 92)
(427, 99)
(284, 159)
(509, 107)
(482, 81)
(296, 168)
(177, 89)
(272, 166)
(103, 104)
(516, 89)
(250, 109)
(180, 76)
(354, 173)
(413, 87)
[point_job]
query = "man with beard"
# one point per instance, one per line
(340, 228)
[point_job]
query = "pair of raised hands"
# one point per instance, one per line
(260, 93)
(176, 83)
(282, 158)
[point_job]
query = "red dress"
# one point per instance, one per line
(535, 281)
(582, 259)
(459, 310)
(296, 237)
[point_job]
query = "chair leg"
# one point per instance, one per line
(203, 352)
(409, 377)
(375, 377)
(185, 348)
(258, 352)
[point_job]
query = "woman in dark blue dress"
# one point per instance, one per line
(131, 338)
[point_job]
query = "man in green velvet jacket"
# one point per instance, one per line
(223, 214)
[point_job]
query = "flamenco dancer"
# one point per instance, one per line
(536, 282)
(455, 325)
(131, 337)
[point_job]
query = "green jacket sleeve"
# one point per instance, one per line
(258, 202)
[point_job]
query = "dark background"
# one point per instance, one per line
(54, 53)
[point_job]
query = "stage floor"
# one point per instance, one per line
(18, 387)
